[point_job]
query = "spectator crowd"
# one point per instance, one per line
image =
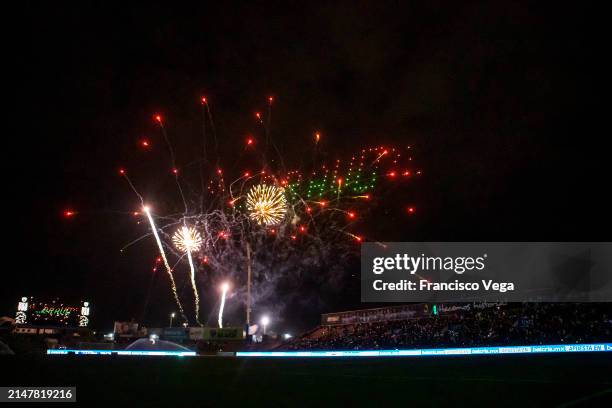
(509, 324)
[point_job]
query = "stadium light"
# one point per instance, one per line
(264, 322)
(172, 317)
(287, 336)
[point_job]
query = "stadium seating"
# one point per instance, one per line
(511, 324)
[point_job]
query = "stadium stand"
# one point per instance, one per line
(462, 326)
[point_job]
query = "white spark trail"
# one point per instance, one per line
(195, 289)
(224, 288)
(163, 255)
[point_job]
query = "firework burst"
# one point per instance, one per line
(187, 239)
(267, 204)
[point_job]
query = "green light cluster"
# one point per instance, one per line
(353, 183)
(291, 192)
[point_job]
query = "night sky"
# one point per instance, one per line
(497, 100)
